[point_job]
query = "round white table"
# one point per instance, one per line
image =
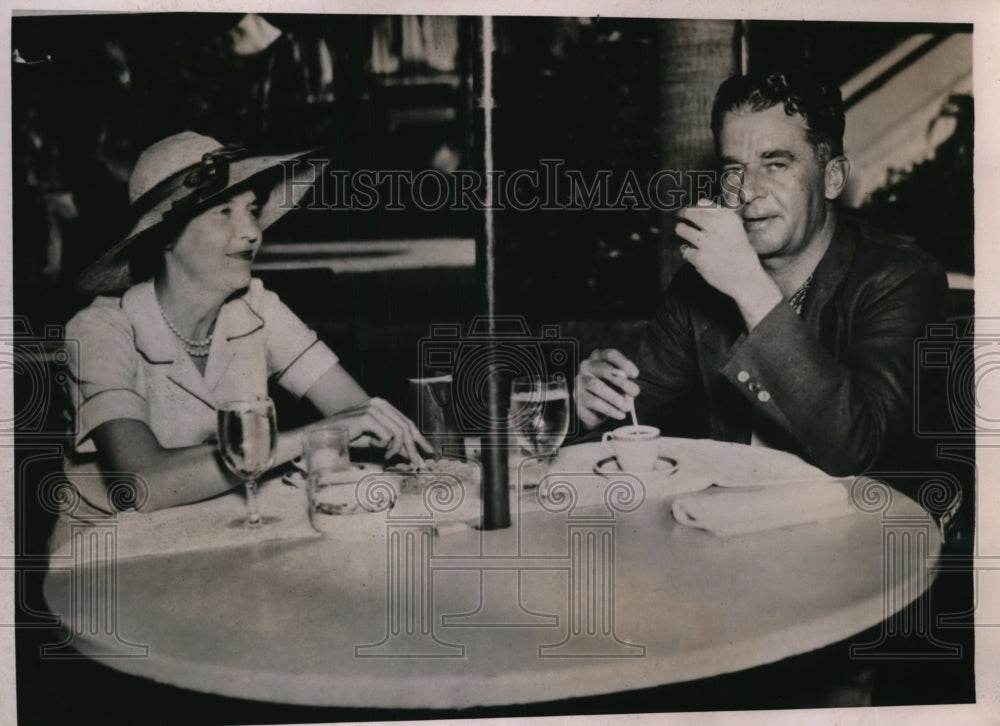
(600, 596)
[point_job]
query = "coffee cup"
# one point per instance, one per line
(636, 447)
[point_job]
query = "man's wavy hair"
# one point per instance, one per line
(820, 105)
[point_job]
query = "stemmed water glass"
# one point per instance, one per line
(539, 415)
(248, 436)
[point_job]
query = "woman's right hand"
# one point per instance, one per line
(378, 423)
(605, 387)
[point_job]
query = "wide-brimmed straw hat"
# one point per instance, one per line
(179, 177)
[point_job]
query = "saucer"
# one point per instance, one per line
(297, 476)
(609, 466)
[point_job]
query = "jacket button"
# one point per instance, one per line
(742, 376)
(763, 396)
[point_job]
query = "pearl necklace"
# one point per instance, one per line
(197, 348)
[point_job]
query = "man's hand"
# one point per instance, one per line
(604, 387)
(718, 248)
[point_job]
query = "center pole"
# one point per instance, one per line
(496, 494)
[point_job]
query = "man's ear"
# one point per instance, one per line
(835, 176)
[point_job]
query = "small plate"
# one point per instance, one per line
(608, 466)
(297, 476)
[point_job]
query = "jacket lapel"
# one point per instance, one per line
(828, 276)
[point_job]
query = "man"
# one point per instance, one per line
(793, 325)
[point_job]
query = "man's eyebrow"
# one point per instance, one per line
(778, 154)
(729, 161)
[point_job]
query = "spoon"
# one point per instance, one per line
(635, 419)
(619, 373)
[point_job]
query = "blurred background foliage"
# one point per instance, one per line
(584, 91)
(932, 202)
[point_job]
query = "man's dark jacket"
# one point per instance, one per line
(834, 386)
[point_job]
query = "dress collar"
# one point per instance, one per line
(155, 341)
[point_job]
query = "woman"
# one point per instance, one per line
(193, 329)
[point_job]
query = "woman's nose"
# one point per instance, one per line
(248, 227)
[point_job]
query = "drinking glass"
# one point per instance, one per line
(539, 415)
(248, 435)
(330, 484)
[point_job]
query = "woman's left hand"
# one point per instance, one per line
(378, 423)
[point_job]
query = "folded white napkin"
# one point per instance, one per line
(727, 512)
